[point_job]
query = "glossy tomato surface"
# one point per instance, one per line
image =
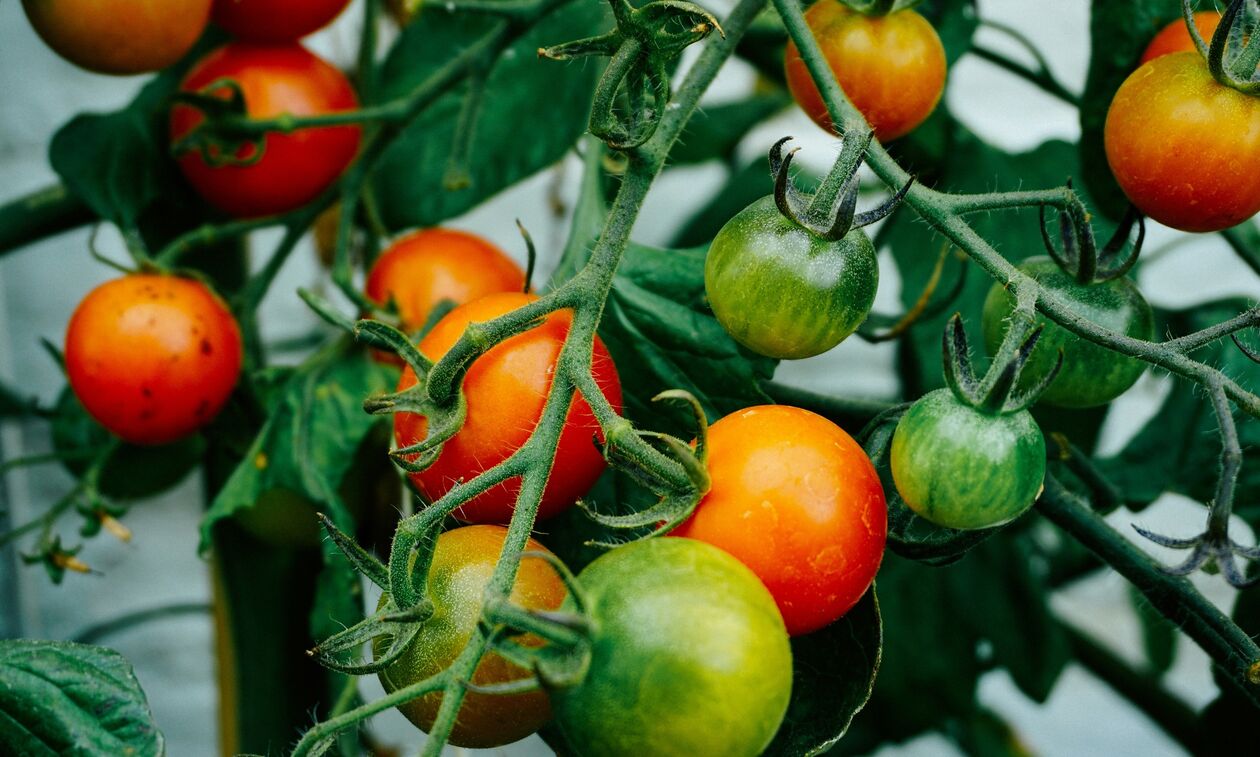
(961, 467)
(119, 36)
(797, 500)
(689, 656)
(275, 20)
(506, 389)
(295, 167)
(463, 562)
(152, 358)
(1183, 147)
(422, 269)
(1091, 375)
(892, 68)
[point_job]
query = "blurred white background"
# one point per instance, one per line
(39, 287)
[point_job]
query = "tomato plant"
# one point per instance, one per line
(463, 562)
(815, 540)
(684, 634)
(124, 37)
(152, 358)
(891, 67)
(293, 168)
(783, 292)
(275, 20)
(505, 390)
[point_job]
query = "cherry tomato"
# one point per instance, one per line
(689, 656)
(120, 36)
(152, 358)
(1175, 38)
(430, 266)
(892, 68)
(296, 167)
(961, 467)
(1183, 147)
(275, 20)
(797, 501)
(781, 291)
(1091, 375)
(463, 562)
(506, 389)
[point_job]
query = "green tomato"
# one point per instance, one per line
(781, 291)
(1091, 375)
(960, 467)
(690, 656)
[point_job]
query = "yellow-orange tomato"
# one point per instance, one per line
(152, 358)
(797, 500)
(119, 36)
(424, 268)
(463, 562)
(1175, 38)
(1184, 147)
(892, 68)
(506, 389)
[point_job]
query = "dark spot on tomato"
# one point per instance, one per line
(206, 347)
(202, 408)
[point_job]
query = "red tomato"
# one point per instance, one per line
(120, 36)
(892, 68)
(797, 501)
(296, 167)
(506, 389)
(426, 267)
(276, 20)
(152, 358)
(1183, 147)
(1175, 38)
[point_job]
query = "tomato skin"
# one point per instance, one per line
(120, 36)
(797, 500)
(296, 167)
(275, 20)
(1184, 147)
(1091, 374)
(506, 389)
(152, 358)
(689, 656)
(960, 467)
(784, 293)
(463, 562)
(891, 68)
(424, 268)
(1175, 37)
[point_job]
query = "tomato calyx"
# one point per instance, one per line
(641, 50)
(877, 8)
(217, 138)
(995, 393)
(831, 212)
(1078, 253)
(1230, 57)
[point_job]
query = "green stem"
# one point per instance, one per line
(93, 634)
(1040, 75)
(41, 214)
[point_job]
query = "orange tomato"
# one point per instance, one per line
(506, 389)
(120, 36)
(1175, 38)
(797, 500)
(152, 358)
(295, 167)
(892, 68)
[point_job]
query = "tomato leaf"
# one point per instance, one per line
(513, 137)
(62, 698)
(833, 673)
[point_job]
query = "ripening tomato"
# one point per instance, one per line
(120, 36)
(797, 501)
(295, 167)
(463, 562)
(892, 68)
(275, 20)
(506, 389)
(426, 267)
(152, 358)
(1184, 147)
(1175, 38)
